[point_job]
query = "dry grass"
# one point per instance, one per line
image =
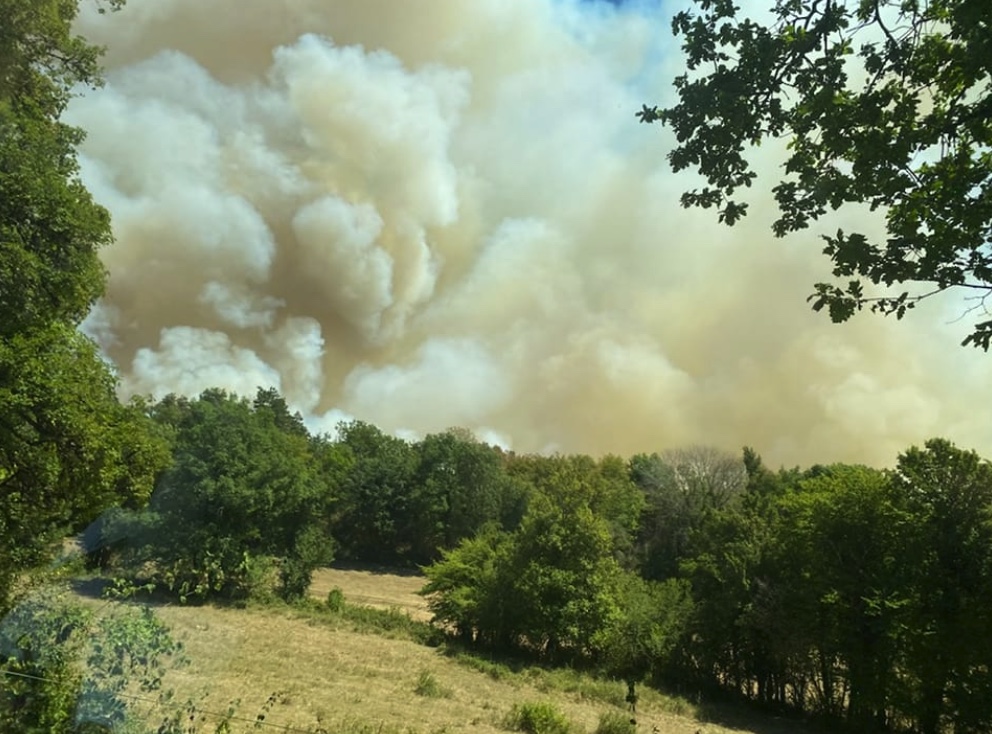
(344, 678)
(374, 589)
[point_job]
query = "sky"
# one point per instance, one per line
(426, 215)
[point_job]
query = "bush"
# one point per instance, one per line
(335, 600)
(295, 575)
(429, 687)
(615, 723)
(538, 718)
(391, 622)
(66, 670)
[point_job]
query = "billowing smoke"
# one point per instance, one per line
(435, 214)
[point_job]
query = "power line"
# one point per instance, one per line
(256, 722)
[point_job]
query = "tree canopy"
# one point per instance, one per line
(68, 448)
(884, 104)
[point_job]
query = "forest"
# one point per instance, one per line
(853, 595)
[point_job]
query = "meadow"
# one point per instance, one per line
(359, 672)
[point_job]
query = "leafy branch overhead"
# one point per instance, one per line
(886, 104)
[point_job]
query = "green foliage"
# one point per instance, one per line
(335, 600)
(68, 448)
(562, 572)
(468, 589)
(612, 722)
(460, 487)
(947, 493)
(64, 670)
(843, 600)
(648, 623)
(375, 494)
(680, 488)
(242, 488)
(392, 623)
(495, 670)
(428, 686)
(43, 60)
(885, 105)
(570, 597)
(546, 586)
(50, 228)
(605, 487)
(857, 595)
(538, 718)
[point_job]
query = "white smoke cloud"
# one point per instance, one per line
(190, 360)
(428, 215)
(449, 383)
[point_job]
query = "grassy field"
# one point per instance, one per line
(321, 669)
(375, 589)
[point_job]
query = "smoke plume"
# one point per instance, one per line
(434, 214)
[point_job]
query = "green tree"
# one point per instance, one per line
(66, 670)
(604, 486)
(460, 485)
(269, 402)
(884, 104)
(947, 492)
(680, 488)
(842, 593)
(644, 628)
(50, 228)
(564, 575)
(370, 516)
(731, 568)
(469, 589)
(67, 448)
(242, 488)
(549, 586)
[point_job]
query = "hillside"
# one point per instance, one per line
(351, 681)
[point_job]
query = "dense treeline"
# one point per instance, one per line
(251, 494)
(860, 596)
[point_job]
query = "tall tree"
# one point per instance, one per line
(459, 487)
(884, 104)
(370, 517)
(63, 448)
(50, 227)
(948, 494)
(680, 487)
(604, 486)
(842, 592)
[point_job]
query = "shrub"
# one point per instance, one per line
(429, 687)
(66, 670)
(538, 718)
(295, 575)
(335, 600)
(391, 622)
(613, 722)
